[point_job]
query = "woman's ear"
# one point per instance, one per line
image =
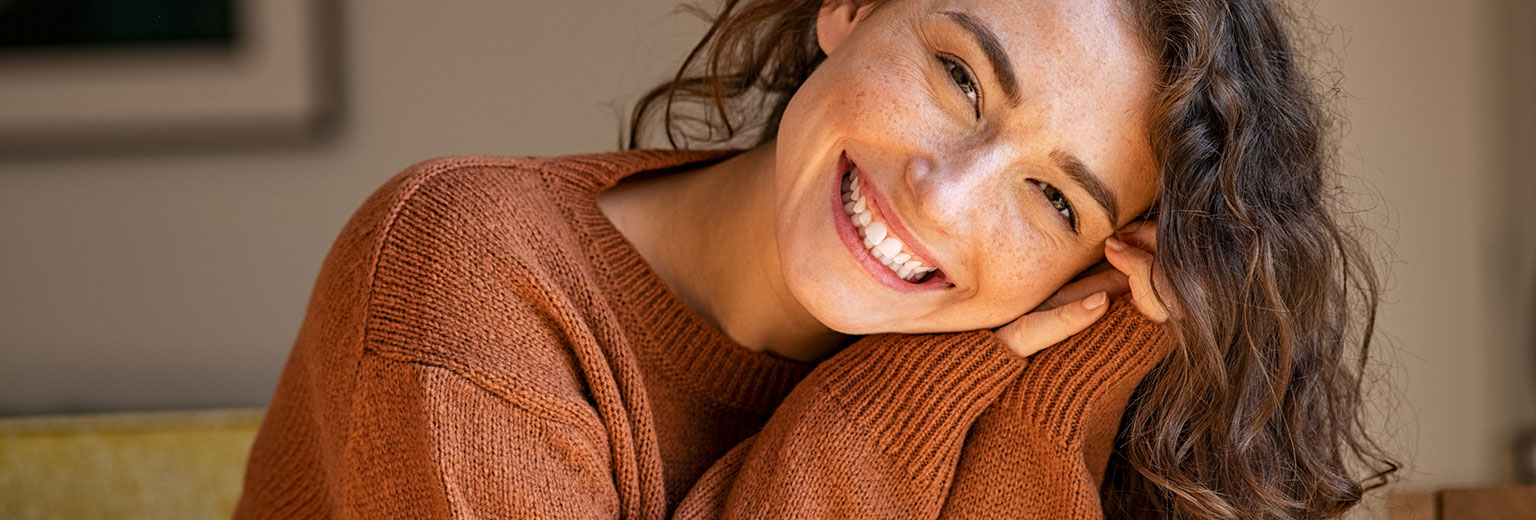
(836, 21)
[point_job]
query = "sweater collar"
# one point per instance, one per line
(665, 332)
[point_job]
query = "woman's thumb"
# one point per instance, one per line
(1035, 331)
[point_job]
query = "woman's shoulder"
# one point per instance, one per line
(576, 173)
(457, 236)
(457, 266)
(494, 252)
(452, 191)
(476, 260)
(540, 210)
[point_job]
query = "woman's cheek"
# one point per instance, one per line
(1022, 273)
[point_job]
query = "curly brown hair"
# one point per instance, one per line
(1257, 413)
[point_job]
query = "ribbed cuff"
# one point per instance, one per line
(1075, 381)
(920, 393)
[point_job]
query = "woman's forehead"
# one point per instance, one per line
(1097, 31)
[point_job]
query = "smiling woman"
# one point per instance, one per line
(1203, 137)
(895, 303)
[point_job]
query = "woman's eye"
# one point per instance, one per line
(964, 81)
(1060, 204)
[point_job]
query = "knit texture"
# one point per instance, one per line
(482, 342)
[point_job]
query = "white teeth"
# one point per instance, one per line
(875, 232)
(876, 235)
(890, 246)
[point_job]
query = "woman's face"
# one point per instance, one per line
(1000, 142)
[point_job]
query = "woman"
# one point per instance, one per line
(844, 319)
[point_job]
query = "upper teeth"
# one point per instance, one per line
(876, 233)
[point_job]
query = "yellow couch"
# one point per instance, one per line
(124, 465)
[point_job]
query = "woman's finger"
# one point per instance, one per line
(1141, 234)
(1035, 331)
(1138, 265)
(1110, 281)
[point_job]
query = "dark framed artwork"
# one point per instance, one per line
(147, 72)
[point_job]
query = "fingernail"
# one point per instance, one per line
(1095, 301)
(1115, 244)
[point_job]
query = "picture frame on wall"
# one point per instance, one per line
(145, 73)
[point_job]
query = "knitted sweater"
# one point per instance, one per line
(482, 342)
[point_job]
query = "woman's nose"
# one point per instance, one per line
(947, 191)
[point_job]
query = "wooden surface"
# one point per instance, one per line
(1512, 502)
(1414, 506)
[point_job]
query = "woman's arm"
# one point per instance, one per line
(1041, 449)
(437, 445)
(875, 431)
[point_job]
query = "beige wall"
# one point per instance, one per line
(170, 280)
(1433, 112)
(179, 280)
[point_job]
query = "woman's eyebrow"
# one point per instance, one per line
(1080, 174)
(993, 48)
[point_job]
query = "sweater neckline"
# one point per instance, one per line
(668, 334)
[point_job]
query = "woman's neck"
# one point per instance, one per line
(709, 233)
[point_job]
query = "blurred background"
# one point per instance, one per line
(165, 207)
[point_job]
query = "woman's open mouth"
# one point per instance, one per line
(871, 235)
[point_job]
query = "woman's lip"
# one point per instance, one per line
(850, 237)
(888, 213)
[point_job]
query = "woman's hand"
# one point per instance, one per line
(1131, 252)
(1129, 267)
(1042, 328)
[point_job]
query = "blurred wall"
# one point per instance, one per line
(1436, 94)
(173, 279)
(178, 280)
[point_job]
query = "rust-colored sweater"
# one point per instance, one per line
(483, 343)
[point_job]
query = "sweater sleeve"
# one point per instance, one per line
(392, 403)
(429, 443)
(873, 432)
(1040, 450)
